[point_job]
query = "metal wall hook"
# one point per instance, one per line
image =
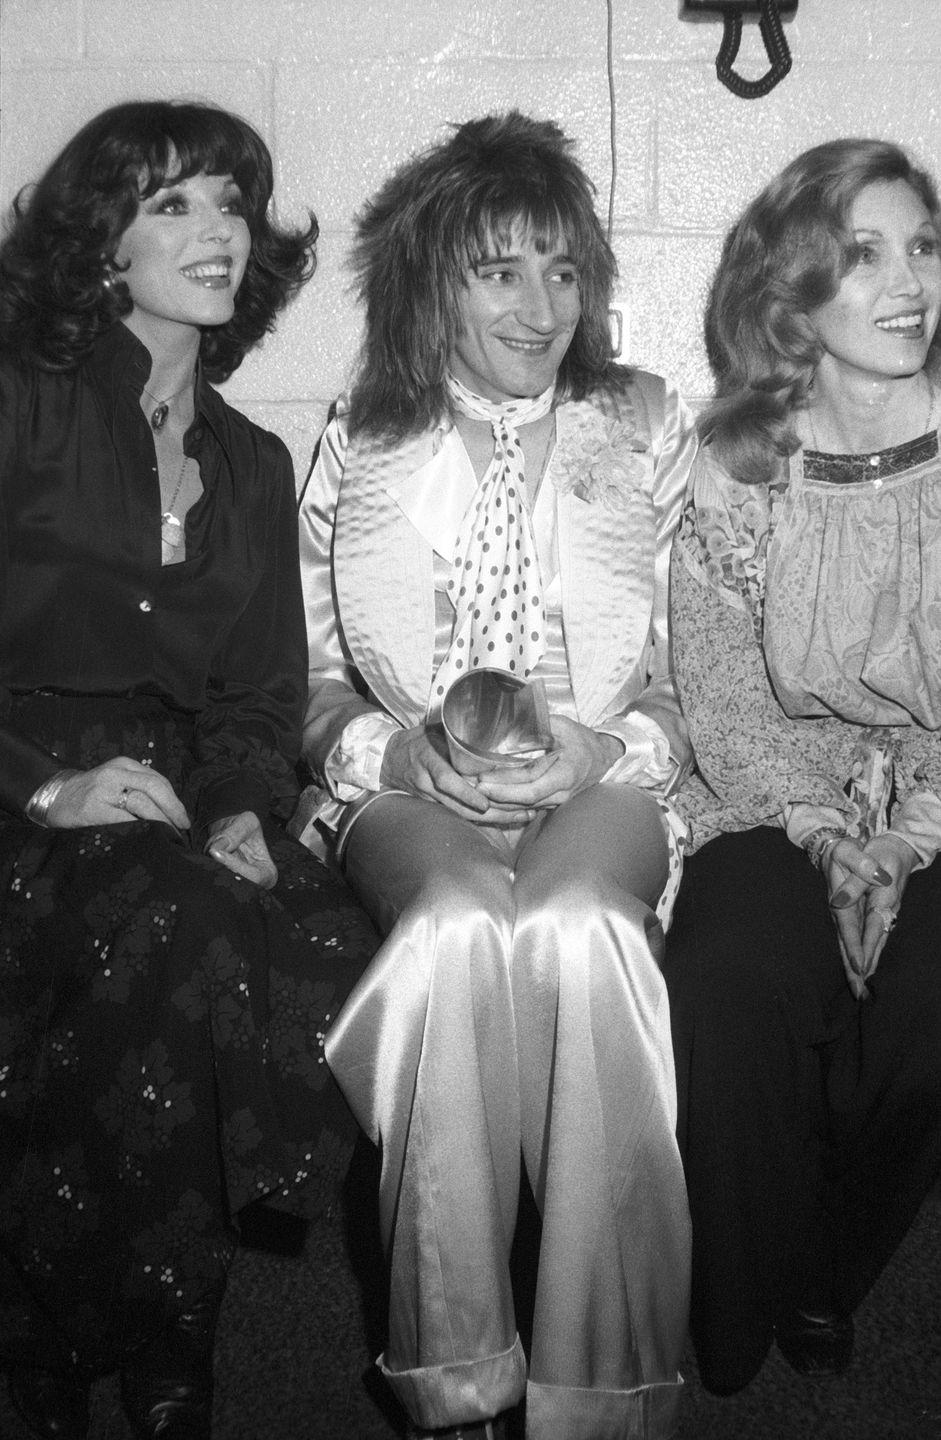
(772, 33)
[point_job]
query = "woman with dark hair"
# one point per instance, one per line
(498, 494)
(803, 964)
(169, 959)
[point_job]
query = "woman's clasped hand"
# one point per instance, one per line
(117, 791)
(866, 884)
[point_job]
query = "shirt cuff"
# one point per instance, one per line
(803, 821)
(646, 760)
(353, 766)
(917, 821)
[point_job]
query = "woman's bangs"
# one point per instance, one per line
(208, 145)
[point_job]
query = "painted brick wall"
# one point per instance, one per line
(344, 89)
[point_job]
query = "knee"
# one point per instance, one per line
(472, 894)
(460, 924)
(581, 932)
(602, 901)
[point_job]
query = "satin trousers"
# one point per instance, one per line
(517, 1005)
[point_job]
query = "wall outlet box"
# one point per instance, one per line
(619, 321)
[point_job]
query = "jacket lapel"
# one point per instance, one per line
(396, 507)
(384, 578)
(606, 559)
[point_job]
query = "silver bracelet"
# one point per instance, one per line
(819, 843)
(38, 804)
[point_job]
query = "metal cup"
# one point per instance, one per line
(492, 718)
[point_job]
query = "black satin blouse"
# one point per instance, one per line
(86, 608)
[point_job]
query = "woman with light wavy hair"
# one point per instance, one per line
(803, 964)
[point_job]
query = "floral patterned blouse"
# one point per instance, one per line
(807, 646)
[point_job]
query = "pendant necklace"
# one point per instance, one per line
(158, 416)
(171, 529)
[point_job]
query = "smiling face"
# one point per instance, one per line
(185, 252)
(881, 321)
(518, 313)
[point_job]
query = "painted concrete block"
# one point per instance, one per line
(43, 31)
(34, 133)
(339, 137)
(664, 282)
(699, 122)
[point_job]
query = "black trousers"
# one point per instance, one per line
(809, 1122)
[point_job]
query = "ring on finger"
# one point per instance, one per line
(122, 798)
(887, 917)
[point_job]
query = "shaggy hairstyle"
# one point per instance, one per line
(65, 231)
(784, 257)
(436, 218)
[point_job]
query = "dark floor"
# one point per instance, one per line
(299, 1331)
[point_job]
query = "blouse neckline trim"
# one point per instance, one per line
(874, 465)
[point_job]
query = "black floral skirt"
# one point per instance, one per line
(161, 1063)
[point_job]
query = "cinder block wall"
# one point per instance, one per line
(344, 89)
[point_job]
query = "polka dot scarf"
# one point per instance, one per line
(495, 584)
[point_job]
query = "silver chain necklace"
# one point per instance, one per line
(171, 529)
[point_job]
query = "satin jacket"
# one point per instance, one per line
(619, 469)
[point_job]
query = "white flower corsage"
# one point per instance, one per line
(603, 468)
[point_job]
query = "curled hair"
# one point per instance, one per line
(785, 257)
(435, 219)
(60, 285)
